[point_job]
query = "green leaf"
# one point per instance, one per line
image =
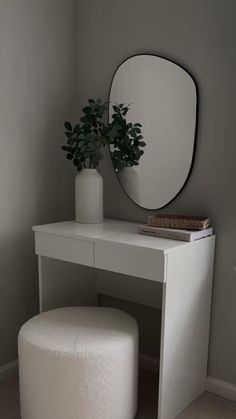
(68, 134)
(65, 148)
(72, 142)
(77, 129)
(68, 126)
(117, 127)
(87, 109)
(76, 162)
(81, 144)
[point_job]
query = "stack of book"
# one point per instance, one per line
(177, 227)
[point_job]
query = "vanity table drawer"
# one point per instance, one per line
(65, 248)
(130, 260)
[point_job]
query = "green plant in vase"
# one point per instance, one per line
(85, 141)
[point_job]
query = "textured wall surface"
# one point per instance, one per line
(36, 90)
(201, 36)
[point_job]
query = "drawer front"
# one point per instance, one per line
(130, 260)
(64, 248)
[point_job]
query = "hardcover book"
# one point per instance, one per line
(175, 234)
(186, 222)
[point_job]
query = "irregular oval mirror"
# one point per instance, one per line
(163, 99)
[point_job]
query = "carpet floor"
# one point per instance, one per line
(207, 406)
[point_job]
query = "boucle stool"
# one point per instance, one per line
(79, 363)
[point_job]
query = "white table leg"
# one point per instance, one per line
(185, 327)
(40, 279)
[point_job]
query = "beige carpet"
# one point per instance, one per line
(206, 407)
(209, 406)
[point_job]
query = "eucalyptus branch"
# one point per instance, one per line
(86, 139)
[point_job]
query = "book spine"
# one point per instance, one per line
(178, 223)
(167, 235)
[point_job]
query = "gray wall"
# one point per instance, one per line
(201, 36)
(36, 91)
(37, 85)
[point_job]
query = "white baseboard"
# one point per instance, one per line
(221, 388)
(8, 370)
(149, 363)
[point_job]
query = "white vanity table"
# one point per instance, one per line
(183, 270)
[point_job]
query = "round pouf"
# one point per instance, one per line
(79, 363)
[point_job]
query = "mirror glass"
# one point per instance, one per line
(163, 99)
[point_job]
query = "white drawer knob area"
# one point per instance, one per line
(74, 263)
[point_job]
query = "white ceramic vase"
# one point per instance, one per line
(89, 197)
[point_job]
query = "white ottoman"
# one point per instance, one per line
(79, 363)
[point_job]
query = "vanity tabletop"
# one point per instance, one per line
(114, 231)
